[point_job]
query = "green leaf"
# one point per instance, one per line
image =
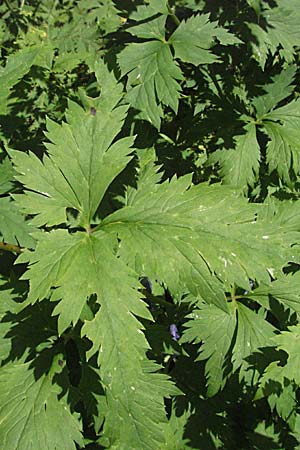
(78, 266)
(280, 31)
(152, 8)
(286, 290)
(195, 36)
(283, 151)
(253, 332)
(260, 43)
(31, 415)
(173, 225)
(7, 307)
(282, 155)
(277, 382)
(255, 4)
(239, 166)
(72, 268)
(175, 430)
(215, 329)
(13, 227)
(283, 28)
(81, 163)
(289, 341)
(154, 29)
(280, 88)
(153, 78)
(6, 176)
(285, 403)
(16, 67)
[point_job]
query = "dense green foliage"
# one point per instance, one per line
(149, 225)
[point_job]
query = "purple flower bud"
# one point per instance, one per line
(174, 332)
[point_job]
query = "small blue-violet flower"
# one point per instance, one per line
(174, 332)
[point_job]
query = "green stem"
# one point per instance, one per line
(173, 15)
(237, 297)
(232, 294)
(10, 248)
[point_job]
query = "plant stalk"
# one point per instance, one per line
(173, 15)
(11, 248)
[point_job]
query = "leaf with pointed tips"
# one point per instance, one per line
(13, 227)
(194, 37)
(253, 332)
(215, 329)
(240, 166)
(81, 163)
(16, 67)
(286, 290)
(153, 78)
(30, 412)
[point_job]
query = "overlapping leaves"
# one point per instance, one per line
(204, 240)
(278, 29)
(31, 411)
(160, 228)
(80, 166)
(240, 166)
(152, 69)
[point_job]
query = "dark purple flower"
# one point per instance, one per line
(174, 332)
(93, 111)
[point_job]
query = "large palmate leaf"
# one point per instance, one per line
(174, 233)
(82, 162)
(31, 415)
(154, 77)
(289, 342)
(195, 36)
(82, 265)
(153, 73)
(225, 337)
(280, 88)
(240, 166)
